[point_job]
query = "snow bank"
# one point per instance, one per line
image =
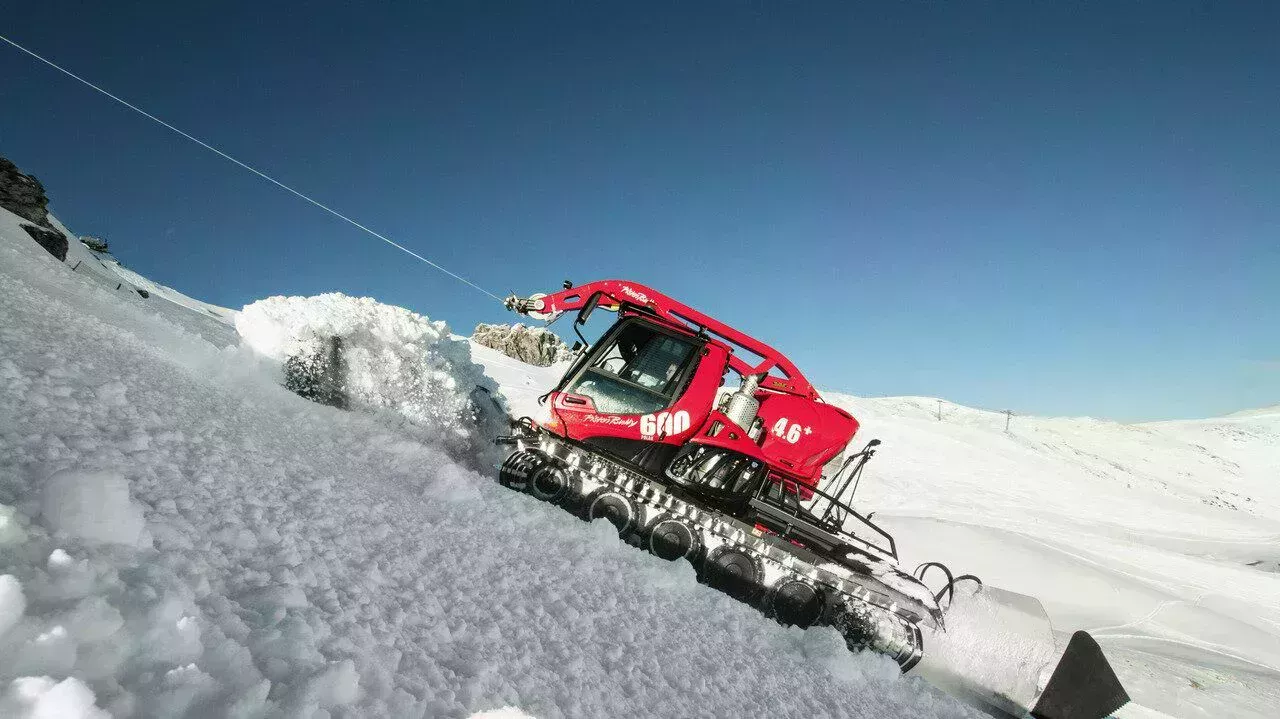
(395, 361)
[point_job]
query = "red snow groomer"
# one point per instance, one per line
(639, 432)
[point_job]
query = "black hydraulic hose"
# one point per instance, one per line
(924, 568)
(949, 589)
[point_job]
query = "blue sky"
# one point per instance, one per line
(1060, 208)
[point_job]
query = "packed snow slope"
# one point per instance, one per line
(252, 554)
(212, 322)
(180, 536)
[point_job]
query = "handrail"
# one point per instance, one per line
(832, 526)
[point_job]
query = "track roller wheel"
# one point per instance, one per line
(733, 572)
(613, 507)
(671, 539)
(549, 483)
(518, 468)
(797, 603)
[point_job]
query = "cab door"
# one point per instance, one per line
(644, 384)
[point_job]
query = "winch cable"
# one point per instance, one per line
(255, 171)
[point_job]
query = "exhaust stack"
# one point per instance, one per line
(743, 405)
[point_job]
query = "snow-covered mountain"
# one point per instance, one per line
(179, 535)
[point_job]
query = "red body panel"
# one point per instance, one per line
(823, 432)
(800, 433)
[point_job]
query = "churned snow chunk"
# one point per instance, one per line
(392, 359)
(42, 698)
(112, 393)
(10, 531)
(59, 559)
(93, 619)
(335, 685)
(92, 505)
(12, 602)
(503, 713)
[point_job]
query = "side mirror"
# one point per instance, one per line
(873, 443)
(588, 308)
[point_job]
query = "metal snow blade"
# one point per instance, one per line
(997, 652)
(1082, 685)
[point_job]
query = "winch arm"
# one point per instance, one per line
(620, 292)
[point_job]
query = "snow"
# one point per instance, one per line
(298, 560)
(92, 505)
(1142, 534)
(396, 361)
(503, 713)
(213, 323)
(519, 383)
(306, 561)
(993, 639)
(43, 698)
(12, 602)
(10, 530)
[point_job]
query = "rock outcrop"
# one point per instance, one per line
(97, 244)
(24, 196)
(533, 345)
(50, 239)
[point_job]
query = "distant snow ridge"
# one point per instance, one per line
(394, 361)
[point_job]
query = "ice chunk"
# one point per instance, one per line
(51, 652)
(503, 713)
(92, 505)
(93, 619)
(42, 698)
(12, 602)
(11, 533)
(59, 559)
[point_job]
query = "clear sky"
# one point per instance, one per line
(1059, 208)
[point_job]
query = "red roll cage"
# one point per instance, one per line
(652, 302)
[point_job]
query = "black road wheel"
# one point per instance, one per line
(518, 468)
(549, 483)
(615, 508)
(671, 539)
(796, 603)
(733, 572)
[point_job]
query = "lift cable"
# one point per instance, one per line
(259, 173)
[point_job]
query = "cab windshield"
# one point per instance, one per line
(639, 370)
